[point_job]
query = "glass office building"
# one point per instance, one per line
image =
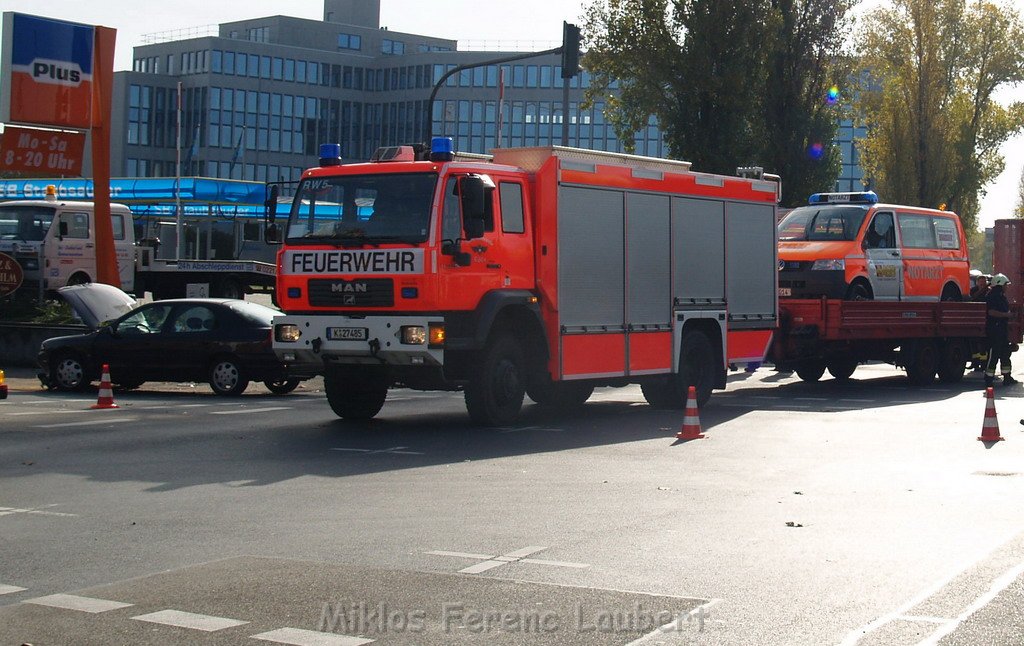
(260, 95)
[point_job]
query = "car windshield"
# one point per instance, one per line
(822, 223)
(255, 313)
(371, 209)
(26, 223)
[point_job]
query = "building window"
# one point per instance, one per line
(350, 41)
(392, 47)
(259, 34)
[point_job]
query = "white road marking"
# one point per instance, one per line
(47, 412)
(855, 635)
(395, 449)
(299, 637)
(930, 620)
(245, 411)
(998, 586)
(10, 589)
(860, 401)
(699, 612)
(464, 555)
(812, 399)
(206, 623)
(81, 604)
(94, 422)
(489, 561)
(7, 511)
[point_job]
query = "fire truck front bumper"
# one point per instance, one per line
(391, 340)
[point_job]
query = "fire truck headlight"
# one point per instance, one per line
(414, 335)
(436, 335)
(838, 264)
(287, 333)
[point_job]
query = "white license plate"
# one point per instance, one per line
(785, 291)
(346, 333)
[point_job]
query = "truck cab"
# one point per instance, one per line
(54, 241)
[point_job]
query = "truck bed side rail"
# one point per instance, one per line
(836, 320)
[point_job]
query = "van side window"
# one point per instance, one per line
(881, 233)
(78, 225)
(916, 231)
(117, 223)
(946, 232)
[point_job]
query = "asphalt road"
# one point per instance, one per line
(828, 513)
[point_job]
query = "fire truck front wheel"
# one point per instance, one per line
(355, 395)
(494, 393)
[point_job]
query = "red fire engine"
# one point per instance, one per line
(538, 271)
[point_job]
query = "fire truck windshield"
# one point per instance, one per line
(820, 223)
(372, 208)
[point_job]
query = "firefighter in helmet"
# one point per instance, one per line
(997, 318)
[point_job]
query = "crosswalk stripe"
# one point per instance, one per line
(300, 637)
(81, 604)
(180, 619)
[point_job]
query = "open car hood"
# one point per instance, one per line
(96, 303)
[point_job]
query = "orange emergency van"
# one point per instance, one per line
(848, 246)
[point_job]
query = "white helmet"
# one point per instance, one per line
(976, 273)
(1000, 280)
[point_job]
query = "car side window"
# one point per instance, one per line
(198, 318)
(146, 320)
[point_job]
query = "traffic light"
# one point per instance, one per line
(570, 50)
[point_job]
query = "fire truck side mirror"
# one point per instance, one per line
(471, 193)
(273, 234)
(271, 203)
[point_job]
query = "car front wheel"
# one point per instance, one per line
(227, 377)
(68, 373)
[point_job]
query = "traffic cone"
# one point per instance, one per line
(691, 420)
(3, 385)
(106, 398)
(990, 427)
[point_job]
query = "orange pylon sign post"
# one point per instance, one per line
(691, 420)
(990, 427)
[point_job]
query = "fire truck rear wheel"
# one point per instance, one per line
(559, 394)
(696, 367)
(842, 369)
(355, 397)
(810, 371)
(494, 393)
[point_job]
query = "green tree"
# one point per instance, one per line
(1019, 211)
(933, 128)
(731, 82)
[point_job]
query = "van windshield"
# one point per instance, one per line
(810, 223)
(25, 223)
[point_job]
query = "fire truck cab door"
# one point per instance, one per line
(461, 287)
(884, 258)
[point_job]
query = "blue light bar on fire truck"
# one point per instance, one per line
(330, 154)
(861, 197)
(442, 149)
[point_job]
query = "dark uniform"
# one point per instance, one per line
(997, 331)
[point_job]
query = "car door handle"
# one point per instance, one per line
(895, 254)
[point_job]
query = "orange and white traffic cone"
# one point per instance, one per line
(3, 385)
(106, 398)
(691, 420)
(990, 427)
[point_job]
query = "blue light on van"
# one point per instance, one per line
(442, 149)
(860, 197)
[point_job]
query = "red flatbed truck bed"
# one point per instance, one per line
(925, 338)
